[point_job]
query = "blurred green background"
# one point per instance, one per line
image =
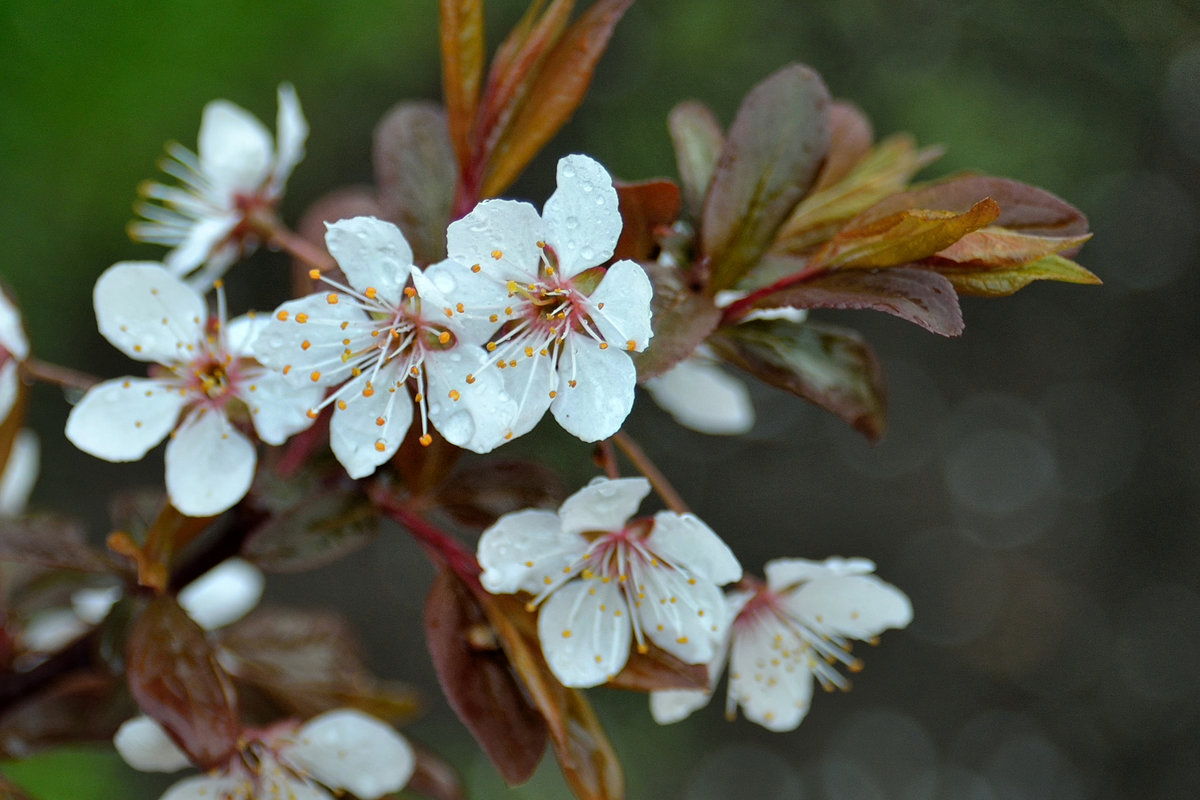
(1037, 494)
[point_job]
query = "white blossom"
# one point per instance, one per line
(237, 172)
(558, 326)
(796, 628)
(19, 473)
(14, 348)
(206, 373)
(343, 750)
(370, 339)
(602, 578)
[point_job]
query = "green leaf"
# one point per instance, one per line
(1004, 281)
(883, 171)
(683, 318)
(829, 366)
(697, 137)
(174, 676)
(556, 91)
(919, 296)
(771, 156)
(415, 175)
(902, 237)
(461, 27)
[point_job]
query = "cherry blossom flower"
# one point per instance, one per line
(343, 750)
(558, 325)
(238, 172)
(370, 338)
(207, 375)
(19, 473)
(601, 577)
(14, 348)
(783, 634)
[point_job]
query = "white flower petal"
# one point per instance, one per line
(12, 334)
(603, 505)
(93, 605)
(208, 787)
(769, 676)
(121, 419)
(582, 219)
(584, 629)
(481, 419)
(20, 473)
(681, 614)
(669, 706)
(203, 244)
(9, 388)
(210, 465)
(352, 751)
(312, 320)
(235, 148)
(624, 292)
(358, 441)
(241, 332)
(529, 384)
(373, 254)
(506, 228)
(278, 408)
(147, 313)
(50, 630)
(684, 540)
(473, 291)
(146, 747)
(596, 407)
(224, 594)
(856, 606)
(784, 572)
(526, 550)
(703, 397)
(291, 132)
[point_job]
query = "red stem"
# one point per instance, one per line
(297, 246)
(739, 308)
(56, 374)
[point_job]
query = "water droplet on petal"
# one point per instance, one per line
(587, 253)
(568, 171)
(572, 223)
(587, 187)
(599, 201)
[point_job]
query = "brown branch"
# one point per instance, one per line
(658, 480)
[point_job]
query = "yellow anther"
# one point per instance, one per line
(302, 318)
(444, 337)
(529, 352)
(315, 274)
(493, 318)
(345, 325)
(425, 440)
(553, 394)
(380, 446)
(496, 254)
(287, 368)
(470, 379)
(572, 383)
(316, 376)
(604, 345)
(566, 634)
(410, 291)
(371, 292)
(631, 345)
(599, 306)
(491, 346)
(305, 344)
(380, 421)
(368, 390)
(341, 405)
(454, 395)
(449, 312)
(312, 413)
(460, 308)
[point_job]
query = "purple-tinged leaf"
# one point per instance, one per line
(556, 91)
(461, 28)
(479, 495)
(829, 366)
(902, 237)
(478, 682)
(646, 208)
(771, 157)
(916, 295)
(434, 778)
(310, 526)
(683, 317)
(850, 139)
(1023, 208)
(698, 139)
(50, 541)
(174, 676)
(79, 707)
(415, 175)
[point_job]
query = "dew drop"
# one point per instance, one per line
(572, 223)
(587, 188)
(599, 201)
(568, 171)
(275, 342)
(587, 253)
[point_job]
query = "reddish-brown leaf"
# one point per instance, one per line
(698, 139)
(902, 237)
(656, 669)
(1023, 208)
(434, 778)
(830, 366)
(771, 156)
(415, 175)
(481, 494)
(916, 295)
(49, 541)
(555, 93)
(79, 707)
(850, 139)
(174, 676)
(478, 683)
(461, 26)
(1001, 247)
(645, 207)
(311, 525)
(345, 203)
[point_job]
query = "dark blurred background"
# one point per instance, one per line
(1036, 494)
